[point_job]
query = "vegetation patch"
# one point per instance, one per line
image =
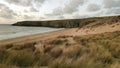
(89, 51)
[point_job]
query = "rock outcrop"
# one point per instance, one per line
(70, 23)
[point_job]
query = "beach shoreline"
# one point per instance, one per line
(34, 36)
(67, 31)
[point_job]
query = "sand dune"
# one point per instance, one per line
(86, 30)
(94, 45)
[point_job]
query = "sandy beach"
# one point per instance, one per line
(36, 37)
(67, 31)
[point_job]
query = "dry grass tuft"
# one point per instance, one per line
(90, 51)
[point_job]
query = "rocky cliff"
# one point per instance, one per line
(70, 23)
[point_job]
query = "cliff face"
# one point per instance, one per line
(70, 23)
(56, 23)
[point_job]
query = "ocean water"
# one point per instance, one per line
(9, 31)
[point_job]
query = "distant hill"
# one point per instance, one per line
(70, 23)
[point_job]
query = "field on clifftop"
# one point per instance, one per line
(95, 45)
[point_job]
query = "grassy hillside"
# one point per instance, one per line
(89, 51)
(95, 43)
(70, 23)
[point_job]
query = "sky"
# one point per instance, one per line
(12, 11)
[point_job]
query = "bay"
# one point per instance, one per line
(9, 31)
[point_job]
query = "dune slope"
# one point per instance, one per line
(95, 45)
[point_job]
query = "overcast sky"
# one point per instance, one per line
(12, 11)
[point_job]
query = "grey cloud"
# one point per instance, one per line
(93, 7)
(51, 16)
(33, 4)
(78, 16)
(69, 8)
(61, 17)
(111, 7)
(19, 2)
(48, 15)
(57, 11)
(33, 9)
(25, 2)
(72, 6)
(6, 12)
(111, 3)
(113, 11)
(31, 17)
(39, 2)
(42, 18)
(28, 17)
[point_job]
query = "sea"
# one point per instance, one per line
(8, 31)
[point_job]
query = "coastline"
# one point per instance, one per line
(64, 32)
(32, 37)
(10, 32)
